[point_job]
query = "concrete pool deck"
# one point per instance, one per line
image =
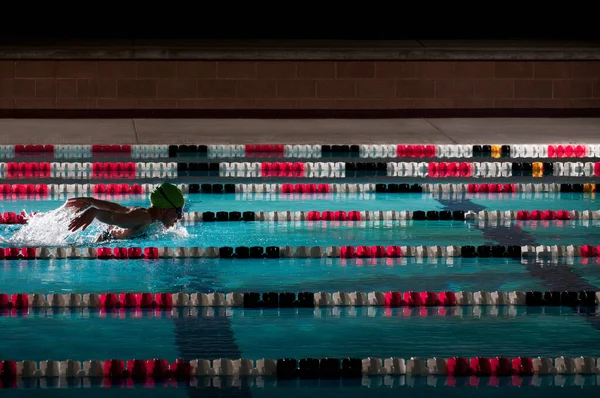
(416, 49)
(301, 131)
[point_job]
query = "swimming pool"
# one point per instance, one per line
(424, 236)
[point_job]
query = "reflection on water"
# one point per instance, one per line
(362, 384)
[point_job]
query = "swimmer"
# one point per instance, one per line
(166, 202)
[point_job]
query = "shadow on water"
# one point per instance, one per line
(559, 278)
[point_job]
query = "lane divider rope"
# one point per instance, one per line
(409, 261)
(134, 170)
(308, 368)
(316, 151)
(350, 311)
(368, 215)
(300, 299)
(139, 189)
(390, 215)
(277, 252)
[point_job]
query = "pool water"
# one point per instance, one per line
(323, 332)
(312, 275)
(339, 332)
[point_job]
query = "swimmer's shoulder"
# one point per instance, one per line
(137, 210)
(141, 213)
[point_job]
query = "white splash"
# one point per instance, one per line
(52, 229)
(158, 231)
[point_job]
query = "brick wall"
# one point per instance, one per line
(66, 84)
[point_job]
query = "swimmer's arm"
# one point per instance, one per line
(83, 203)
(133, 219)
(107, 206)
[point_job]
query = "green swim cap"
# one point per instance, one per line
(167, 196)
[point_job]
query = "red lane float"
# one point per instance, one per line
(482, 367)
(567, 151)
(589, 251)
(420, 299)
(370, 252)
(11, 218)
(523, 215)
(14, 253)
(123, 253)
(24, 189)
(113, 166)
(416, 151)
(113, 170)
(465, 169)
(34, 148)
(490, 188)
(305, 188)
(27, 169)
(251, 149)
(117, 189)
(17, 301)
(136, 300)
(282, 169)
(449, 169)
(334, 216)
(111, 148)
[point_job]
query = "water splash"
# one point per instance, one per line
(51, 229)
(159, 231)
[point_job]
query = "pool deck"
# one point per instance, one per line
(301, 131)
(140, 49)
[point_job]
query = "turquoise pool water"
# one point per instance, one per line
(335, 332)
(298, 333)
(285, 234)
(209, 275)
(325, 233)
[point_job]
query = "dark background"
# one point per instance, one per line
(299, 20)
(304, 29)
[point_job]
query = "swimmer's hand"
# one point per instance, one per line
(79, 204)
(83, 220)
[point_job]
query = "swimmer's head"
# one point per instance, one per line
(169, 201)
